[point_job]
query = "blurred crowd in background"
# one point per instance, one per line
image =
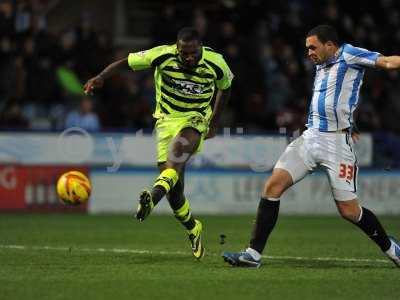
(42, 72)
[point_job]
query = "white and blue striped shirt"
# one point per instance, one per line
(336, 88)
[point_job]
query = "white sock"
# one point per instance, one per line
(391, 250)
(254, 253)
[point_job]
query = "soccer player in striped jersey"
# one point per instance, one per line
(188, 78)
(326, 144)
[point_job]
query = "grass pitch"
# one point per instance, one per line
(115, 257)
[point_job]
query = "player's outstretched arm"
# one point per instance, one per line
(98, 81)
(388, 62)
(220, 101)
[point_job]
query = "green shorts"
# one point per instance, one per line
(167, 127)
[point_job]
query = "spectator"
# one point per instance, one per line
(261, 40)
(84, 118)
(11, 117)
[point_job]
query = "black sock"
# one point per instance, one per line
(176, 202)
(176, 197)
(157, 193)
(267, 215)
(370, 224)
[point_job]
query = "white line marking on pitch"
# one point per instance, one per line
(137, 251)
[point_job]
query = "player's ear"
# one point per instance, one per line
(329, 44)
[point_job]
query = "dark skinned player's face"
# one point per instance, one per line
(189, 52)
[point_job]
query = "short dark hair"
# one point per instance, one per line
(325, 33)
(188, 34)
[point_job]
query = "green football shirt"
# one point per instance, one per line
(178, 89)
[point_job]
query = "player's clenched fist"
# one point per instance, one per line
(92, 84)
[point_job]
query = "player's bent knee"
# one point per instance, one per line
(277, 184)
(273, 188)
(178, 156)
(349, 210)
(349, 216)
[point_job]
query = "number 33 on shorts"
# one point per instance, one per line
(346, 171)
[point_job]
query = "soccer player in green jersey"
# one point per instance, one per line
(188, 78)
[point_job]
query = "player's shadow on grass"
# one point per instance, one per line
(323, 264)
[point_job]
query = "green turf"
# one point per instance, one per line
(76, 269)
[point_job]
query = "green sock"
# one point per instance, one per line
(184, 215)
(163, 184)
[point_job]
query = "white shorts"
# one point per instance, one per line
(330, 151)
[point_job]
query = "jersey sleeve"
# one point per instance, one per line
(225, 81)
(360, 56)
(145, 59)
